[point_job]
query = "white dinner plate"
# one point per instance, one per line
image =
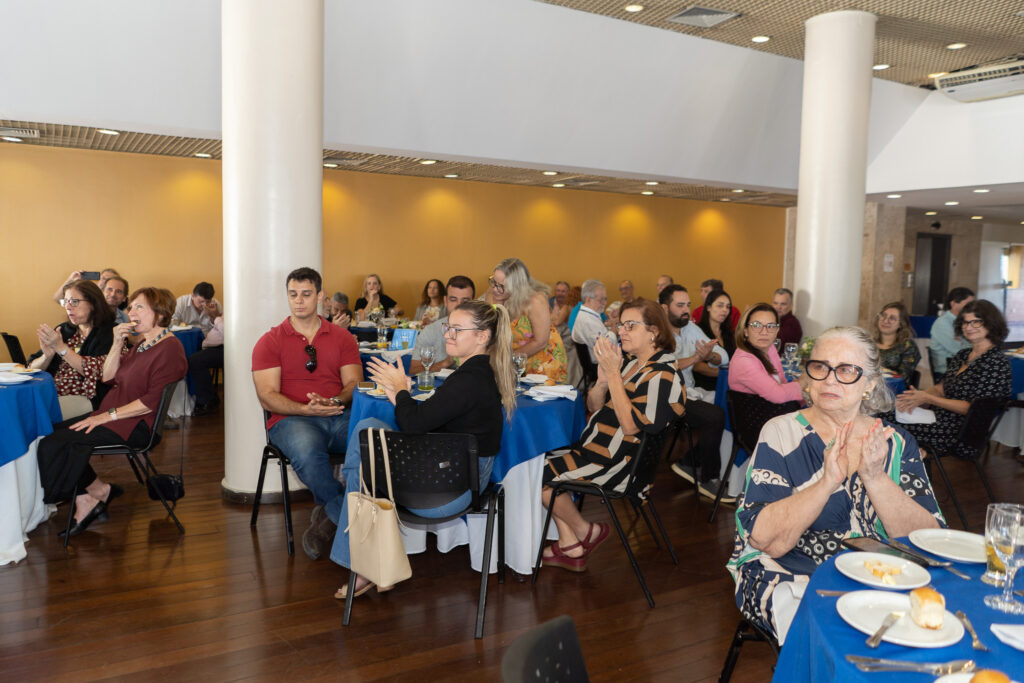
(958, 678)
(865, 611)
(374, 393)
(11, 378)
(534, 379)
(4, 367)
(911, 575)
(952, 544)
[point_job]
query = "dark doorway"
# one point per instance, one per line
(931, 273)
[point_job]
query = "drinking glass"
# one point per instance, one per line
(427, 357)
(995, 572)
(382, 336)
(519, 361)
(790, 350)
(424, 382)
(1007, 534)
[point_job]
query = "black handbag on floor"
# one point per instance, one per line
(170, 486)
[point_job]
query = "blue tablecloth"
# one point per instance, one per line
(1017, 370)
(922, 325)
(192, 340)
(365, 358)
(536, 427)
(819, 640)
(27, 411)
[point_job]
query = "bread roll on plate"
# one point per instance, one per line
(990, 676)
(927, 607)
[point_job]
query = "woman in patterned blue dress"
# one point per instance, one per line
(982, 371)
(823, 474)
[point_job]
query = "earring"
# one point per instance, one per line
(866, 395)
(652, 338)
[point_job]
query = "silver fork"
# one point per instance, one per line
(936, 669)
(975, 640)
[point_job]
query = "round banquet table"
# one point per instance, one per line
(27, 413)
(366, 354)
(192, 339)
(536, 428)
(819, 640)
(183, 400)
(1010, 430)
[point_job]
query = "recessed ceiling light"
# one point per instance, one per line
(107, 131)
(956, 46)
(937, 74)
(725, 199)
(9, 138)
(981, 190)
(739, 191)
(952, 203)
(652, 183)
(549, 172)
(558, 185)
(893, 196)
(428, 162)
(204, 155)
(976, 218)
(329, 164)
(931, 213)
(647, 192)
(634, 8)
(880, 67)
(451, 175)
(760, 39)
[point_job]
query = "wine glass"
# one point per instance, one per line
(1007, 533)
(427, 358)
(519, 361)
(995, 572)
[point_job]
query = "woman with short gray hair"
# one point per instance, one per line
(821, 475)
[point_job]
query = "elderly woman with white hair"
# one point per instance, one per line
(823, 474)
(533, 334)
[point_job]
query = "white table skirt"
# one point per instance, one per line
(182, 402)
(1011, 428)
(21, 504)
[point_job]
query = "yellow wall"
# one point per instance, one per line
(158, 219)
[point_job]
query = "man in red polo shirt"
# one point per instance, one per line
(305, 371)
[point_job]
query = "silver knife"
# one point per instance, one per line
(891, 619)
(930, 561)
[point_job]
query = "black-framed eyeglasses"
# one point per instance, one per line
(496, 286)
(311, 352)
(757, 325)
(449, 331)
(977, 322)
(71, 303)
(629, 325)
(846, 373)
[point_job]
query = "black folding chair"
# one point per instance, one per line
(748, 413)
(746, 632)
(640, 477)
(428, 471)
(976, 435)
(548, 652)
(587, 365)
(14, 348)
(138, 458)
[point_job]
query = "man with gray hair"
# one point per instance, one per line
(589, 326)
(790, 331)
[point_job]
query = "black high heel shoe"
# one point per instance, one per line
(98, 511)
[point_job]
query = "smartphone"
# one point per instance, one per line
(90, 275)
(872, 545)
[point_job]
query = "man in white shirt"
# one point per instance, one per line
(589, 326)
(459, 290)
(944, 344)
(693, 346)
(200, 364)
(198, 308)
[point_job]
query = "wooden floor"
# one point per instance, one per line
(224, 603)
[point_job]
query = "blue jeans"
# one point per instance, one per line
(340, 550)
(308, 441)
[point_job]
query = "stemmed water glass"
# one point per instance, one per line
(519, 361)
(790, 364)
(1005, 528)
(426, 383)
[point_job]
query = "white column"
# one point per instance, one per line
(833, 162)
(272, 109)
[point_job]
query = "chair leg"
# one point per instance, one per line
(259, 491)
(949, 486)
(629, 551)
(135, 469)
(485, 568)
(286, 499)
(984, 480)
(638, 507)
(148, 468)
(544, 533)
(349, 597)
(734, 652)
(661, 528)
(725, 479)
(71, 517)
(501, 534)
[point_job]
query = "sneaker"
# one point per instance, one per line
(319, 537)
(687, 472)
(709, 489)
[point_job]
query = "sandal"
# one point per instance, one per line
(602, 533)
(342, 592)
(558, 558)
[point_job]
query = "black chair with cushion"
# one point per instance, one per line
(976, 434)
(642, 469)
(428, 471)
(587, 365)
(14, 348)
(548, 652)
(746, 632)
(138, 458)
(748, 413)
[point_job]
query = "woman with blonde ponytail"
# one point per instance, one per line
(470, 401)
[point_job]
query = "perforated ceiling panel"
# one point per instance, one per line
(911, 35)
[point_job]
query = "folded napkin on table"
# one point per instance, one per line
(536, 378)
(1011, 634)
(917, 416)
(443, 372)
(392, 356)
(365, 323)
(544, 392)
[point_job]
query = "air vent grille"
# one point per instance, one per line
(702, 17)
(19, 132)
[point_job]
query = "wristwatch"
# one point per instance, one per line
(113, 413)
(335, 400)
(64, 352)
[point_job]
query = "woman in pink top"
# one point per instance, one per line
(755, 368)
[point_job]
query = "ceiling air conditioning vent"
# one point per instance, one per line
(702, 17)
(343, 161)
(19, 132)
(984, 82)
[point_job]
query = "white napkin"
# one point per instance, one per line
(423, 397)
(535, 378)
(365, 323)
(443, 372)
(392, 356)
(554, 391)
(180, 328)
(1011, 634)
(917, 416)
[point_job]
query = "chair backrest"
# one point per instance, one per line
(548, 652)
(748, 413)
(403, 335)
(644, 465)
(161, 416)
(586, 364)
(977, 427)
(427, 470)
(14, 348)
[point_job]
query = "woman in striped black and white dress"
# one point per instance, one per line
(644, 396)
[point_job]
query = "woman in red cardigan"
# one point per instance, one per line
(137, 380)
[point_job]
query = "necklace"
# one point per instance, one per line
(149, 345)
